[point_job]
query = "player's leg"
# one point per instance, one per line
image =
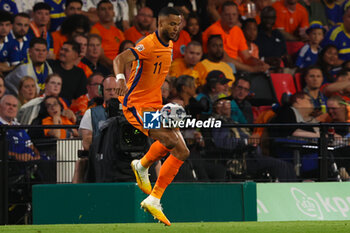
(167, 173)
(166, 139)
(171, 166)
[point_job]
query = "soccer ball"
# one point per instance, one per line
(172, 112)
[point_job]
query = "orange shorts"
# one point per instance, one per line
(134, 115)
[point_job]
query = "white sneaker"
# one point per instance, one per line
(152, 205)
(142, 177)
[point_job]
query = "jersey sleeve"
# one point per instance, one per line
(142, 50)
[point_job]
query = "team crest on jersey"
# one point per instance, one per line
(4, 53)
(140, 47)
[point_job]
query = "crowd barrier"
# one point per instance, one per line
(220, 164)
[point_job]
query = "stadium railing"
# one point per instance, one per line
(260, 159)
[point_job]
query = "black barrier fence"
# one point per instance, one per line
(226, 154)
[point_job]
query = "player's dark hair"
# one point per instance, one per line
(212, 37)
(70, 1)
(22, 14)
(166, 11)
(5, 16)
(41, 6)
(75, 45)
(37, 40)
(101, 2)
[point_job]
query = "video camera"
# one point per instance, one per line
(130, 139)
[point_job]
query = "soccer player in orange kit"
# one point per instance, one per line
(151, 59)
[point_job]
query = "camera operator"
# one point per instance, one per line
(109, 141)
(89, 126)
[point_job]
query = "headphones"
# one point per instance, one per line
(101, 87)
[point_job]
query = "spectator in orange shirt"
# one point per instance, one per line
(52, 109)
(71, 26)
(190, 64)
(292, 19)
(143, 26)
(235, 44)
(181, 42)
(81, 104)
(82, 40)
(250, 30)
(110, 34)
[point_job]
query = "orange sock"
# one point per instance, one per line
(167, 173)
(155, 152)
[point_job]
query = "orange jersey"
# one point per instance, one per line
(234, 41)
(85, 68)
(290, 21)
(180, 44)
(111, 39)
(58, 40)
(153, 60)
(133, 34)
(198, 72)
(80, 104)
(49, 121)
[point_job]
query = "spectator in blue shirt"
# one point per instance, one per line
(338, 36)
(5, 28)
(20, 43)
(308, 54)
(20, 147)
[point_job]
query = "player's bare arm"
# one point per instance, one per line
(119, 63)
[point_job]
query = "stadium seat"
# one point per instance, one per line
(297, 80)
(282, 83)
(262, 91)
(293, 47)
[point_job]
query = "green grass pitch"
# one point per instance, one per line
(200, 227)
